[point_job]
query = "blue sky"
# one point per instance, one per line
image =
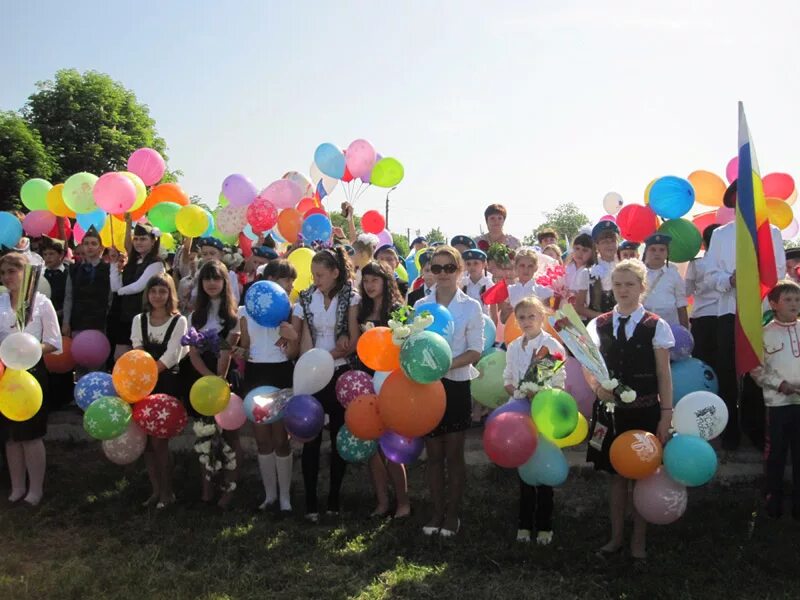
(527, 104)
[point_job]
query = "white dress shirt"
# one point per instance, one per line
(43, 324)
(175, 352)
(474, 289)
(518, 359)
(781, 362)
(700, 285)
(325, 321)
(135, 287)
(665, 293)
(262, 341)
(663, 337)
(602, 271)
(518, 291)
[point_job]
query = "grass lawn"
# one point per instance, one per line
(90, 539)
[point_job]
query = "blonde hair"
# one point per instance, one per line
(634, 267)
(532, 302)
(13, 259)
(555, 248)
(451, 252)
(527, 252)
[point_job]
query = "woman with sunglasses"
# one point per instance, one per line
(445, 444)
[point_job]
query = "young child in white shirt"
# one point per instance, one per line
(526, 263)
(476, 280)
(666, 292)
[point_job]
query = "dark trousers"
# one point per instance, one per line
(704, 332)
(724, 365)
(311, 450)
(783, 436)
(535, 505)
(751, 411)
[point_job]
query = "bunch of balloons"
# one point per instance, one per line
(20, 393)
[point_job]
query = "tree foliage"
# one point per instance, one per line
(22, 156)
(435, 235)
(566, 219)
(401, 243)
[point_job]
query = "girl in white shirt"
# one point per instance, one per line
(24, 441)
(158, 330)
(593, 293)
(526, 262)
(326, 315)
(581, 256)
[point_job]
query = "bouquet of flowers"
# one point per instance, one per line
(555, 278)
(214, 452)
(205, 341)
(544, 366)
(402, 329)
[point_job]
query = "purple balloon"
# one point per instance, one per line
(239, 190)
(303, 417)
(399, 448)
(684, 343)
(90, 348)
(518, 405)
(384, 238)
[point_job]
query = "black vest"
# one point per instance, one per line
(632, 362)
(90, 294)
(131, 305)
(157, 349)
(600, 300)
(58, 288)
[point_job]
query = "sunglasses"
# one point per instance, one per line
(449, 269)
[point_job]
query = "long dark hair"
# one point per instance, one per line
(214, 269)
(164, 280)
(585, 240)
(390, 297)
(335, 258)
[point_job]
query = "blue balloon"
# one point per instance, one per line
(411, 268)
(547, 466)
(690, 460)
(10, 230)
(210, 231)
(489, 332)
(517, 405)
(267, 303)
(276, 235)
(353, 449)
(330, 160)
(684, 343)
(692, 375)
(93, 386)
(266, 403)
(443, 323)
(248, 231)
(96, 219)
(317, 227)
(671, 197)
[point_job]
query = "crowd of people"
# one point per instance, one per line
(628, 295)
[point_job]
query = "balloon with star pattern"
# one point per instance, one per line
(126, 448)
(353, 384)
(353, 449)
(106, 418)
(135, 375)
(160, 415)
(91, 387)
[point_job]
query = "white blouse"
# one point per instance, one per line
(518, 359)
(262, 341)
(518, 291)
(175, 351)
(43, 324)
(150, 271)
(325, 321)
(663, 337)
(665, 294)
(602, 271)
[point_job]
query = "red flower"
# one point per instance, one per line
(557, 356)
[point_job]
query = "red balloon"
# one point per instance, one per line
(160, 415)
(246, 245)
(778, 185)
(262, 214)
(704, 220)
(636, 222)
(305, 205)
(510, 439)
(63, 361)
(348, 176)
(67, 230)
(373, 222)
(317, 210)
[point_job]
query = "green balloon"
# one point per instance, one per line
(77, 193)
(106, 418)
(222, 200)
(488, 388)
(353, 449)
(33, 194)
(555, 413)
(387, 172)
(686, 239)
(162, 215)
(425, 357)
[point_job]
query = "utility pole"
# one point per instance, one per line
(386, 212)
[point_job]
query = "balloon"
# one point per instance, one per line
(411, 267)
(139, 186)
(60, 362)
(611, 218)
(33, 193)
(91, 387)
(114, 193)
(91, 348)
(363, 418)
(577, 436)
(232, 417)
(385, 238)
(377, 351)
(191, 221)
(300, 259)
(489, 333)
(517, 405)
(330, 160)
(39, 222)
(704, 220)
(164, 216)
(690, 460)
(135, 375)
(319, 179)
(303, 417)
(686, 239)
(232, 219)
(400, 448)
(10, 229)
(163, 192)
(239, 190)
(378, 379)
(265, 404)
(779, 213)
(791, 231)
(373, 222)
(709, 188)
(792, 197)
(56, 234)
(635, 454)
(510, 439)
(106, 418)
(96, 219)
(647, 192)
(612, 202)
(127, 447)
(267, 303)
(113, 233)
(312, 372)
(282, 193)
(577, 387)
(301, 181)
(148, 164)
(354, 449)
(20, 351)
(488, 388)
(209, 395)
(547, 465)
(778, 185)
(684, 343)
(732, 169)
(702, 414)
(443, 322)
(307, 204)
(317, 228)
(290, 221)
(401, 273)
(425, 357)
(160, 416)
(360, 158)
(352, 384)
(636, 222)
(409, 408)
(20, 395)
(659, 499)
(77, 192)
(387, 172)
(725, 215)
(692, 375)
(211, 227)
(55, 202)
(511, 330)
(167, 241)
(554, 413)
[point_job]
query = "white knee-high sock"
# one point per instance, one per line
(284, 465)
(15, 456)
(266, 464)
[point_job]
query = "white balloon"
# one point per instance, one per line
(700, 413)
(378, 379)
(612, 202)
(44, 287)
(329, 183)
(126, 448)
(20, 351)
(313, 371)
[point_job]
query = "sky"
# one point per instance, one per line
(527, 104)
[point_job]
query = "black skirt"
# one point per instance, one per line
(35, 427)
(279, 375)
(624, 419)
(458, 408)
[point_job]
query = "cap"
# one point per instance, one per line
(658, 238)
(143, 229)
(382, 248)
(473, 254)
(793, 253)
(211, 241)
(265, 252)
(425, 257)
(419, 240)
(604, 227)
(628, 245)
(729, 199)
(92, 232)
(463, 240)
(437, 244)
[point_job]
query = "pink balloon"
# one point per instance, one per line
(231, 220)
(148, 164)
(778, 185)
(262, 214)
(360, 158)
(126, 448)
(239, 190)
(660, 499)
(90, 348)
(384, 237)
(306, 187)
(732, 170)
(77, 233)
(283, 193)
(577, 387)
(611, 218)
(510, 439)
(725, 215)
(38, 222)
(114, 193)
(233, 417)
(791, 230)
(353, 384)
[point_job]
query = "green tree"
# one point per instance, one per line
(435, 235)
(566, 219)
(401, 243)
(22, 157)
(89, 122)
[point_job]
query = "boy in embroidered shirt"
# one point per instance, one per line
(780, 379)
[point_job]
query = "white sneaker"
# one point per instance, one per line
(544, 538)
(523, 535)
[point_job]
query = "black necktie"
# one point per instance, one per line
(621, 335)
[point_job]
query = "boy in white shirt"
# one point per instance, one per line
(476, 280)
(666, 292)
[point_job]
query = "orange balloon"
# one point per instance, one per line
(135, 375)
(290, 221)
(306, 204)
(636, 454)
(163, 192)
(377, 350)
(410, 408)
(63, 361)
(512, 330)
(363, 418)
(709, 189)
(779, 213)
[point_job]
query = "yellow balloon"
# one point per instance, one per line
(20, 395)
(191, 221)
(300, 259)
(55, 202)
(647, 192)
(210, 395)
(779, 213)
(115, 227)
(792, 197)
(167, 241)
(141, 190)
(402, 273)
(577, 436)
